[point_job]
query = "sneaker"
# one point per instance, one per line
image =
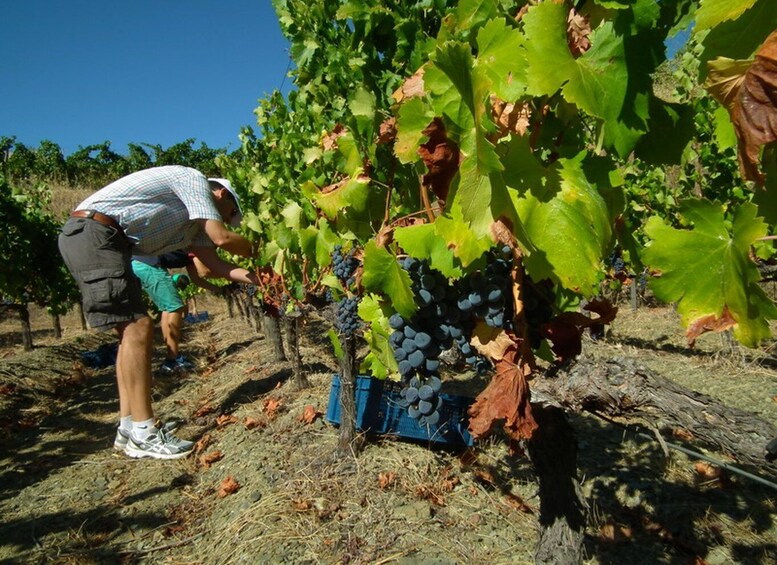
(158, 446)
(180, 363)
(183, 363)
(122, 436)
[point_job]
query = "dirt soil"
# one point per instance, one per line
(265, 487)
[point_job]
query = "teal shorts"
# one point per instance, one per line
(159, 286)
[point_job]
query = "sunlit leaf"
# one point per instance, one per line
(384, 275)
(707, 270)
(566, 208)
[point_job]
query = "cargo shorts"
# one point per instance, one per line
(98, 257)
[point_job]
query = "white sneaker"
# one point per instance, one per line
(159, 445)
(122, 436)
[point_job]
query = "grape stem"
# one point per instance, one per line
(425, 200)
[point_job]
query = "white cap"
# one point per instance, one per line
(228, 185)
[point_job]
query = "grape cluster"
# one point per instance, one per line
(344, 265)
(484, 294)
(538, 301)
(642, 281)
(422, 400)
(347, 317)
(617, 263)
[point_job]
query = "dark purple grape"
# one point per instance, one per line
(425, 392)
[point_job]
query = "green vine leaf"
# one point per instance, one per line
(711, 13)
(423, 242)
(363, 110)
(467, 245)
(707, 270)
(474, 13)
(598, 82)
(481, 194)
(379, 362)
(739, 38)
(352, 192)
(568, 219)
(502, 60)
(414, 117)
(384, 275)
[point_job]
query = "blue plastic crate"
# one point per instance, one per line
(368, 403)
(196, 318)
(378, 411)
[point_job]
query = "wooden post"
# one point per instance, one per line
(57, 323)
(24, 316)
(292, 339)
(347, 443)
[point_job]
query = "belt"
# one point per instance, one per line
(98, 217)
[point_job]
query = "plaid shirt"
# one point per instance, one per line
(158, 207)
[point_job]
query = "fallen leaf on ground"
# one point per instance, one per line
(208, 459)
(518, 503)
(309, 414)
(250, 423)
(385, 480)
(202, 443)
(302, 504)
(203, 410)
(682, 434)
(225, 420)
(615, 533)
(707, 470)
(228, 486)
(485, 476)
(271, 407)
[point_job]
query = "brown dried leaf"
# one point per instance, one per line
(272, 406)
(511, 118)
(615, 533)
(680, 433)
(207, 459)
(748, 92)
(329, 140)
(250, 423)
(506, 398)
(412, 87)
(309, 414)
(301, 504)
(518, 503)
(228, 486)
(225, 420)
(388, 131)
(202, 443)
(606, 310)
(565, 330)
(490, 342)
(707, 471)
(429, 493)
(710, 323)
(578, 30)
(441, 157)
(386, 480)
(203, 410)
(485, 476)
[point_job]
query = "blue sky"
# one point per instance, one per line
(79, 72)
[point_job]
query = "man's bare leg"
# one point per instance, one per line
(171, 331)
(133, 368)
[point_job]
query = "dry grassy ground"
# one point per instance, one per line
(66, 497)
